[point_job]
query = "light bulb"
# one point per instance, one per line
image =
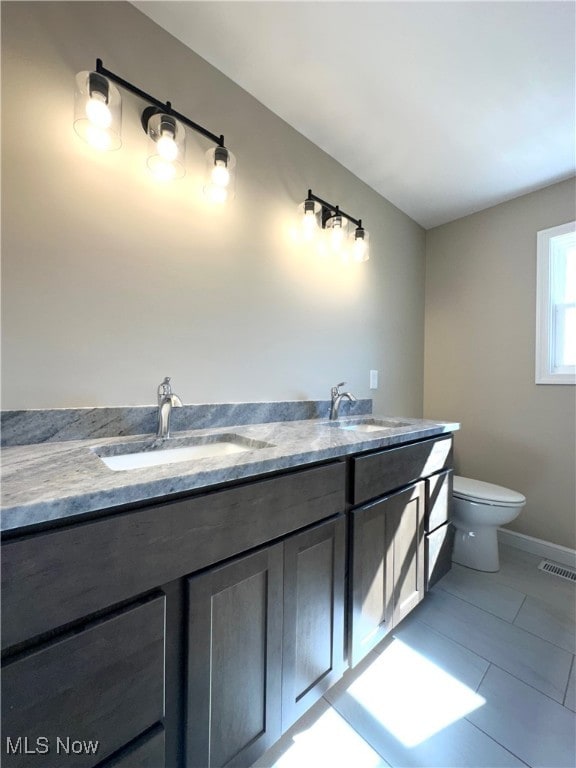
(98, 138)
(220, 174)
(162, 170)
(360, 250)
(220, 177)
(309, 224)
(337, 236)
(360, 245)
(97, 111)
(216, 194)
(167, 147)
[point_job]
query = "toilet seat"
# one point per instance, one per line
(486, 493)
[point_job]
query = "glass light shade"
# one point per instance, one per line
(308, 213)
(360, 245)
(220, 176)
(97, 111)
(166, 147)
(337, 230)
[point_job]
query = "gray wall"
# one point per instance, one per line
(111, 281)
(479, 358)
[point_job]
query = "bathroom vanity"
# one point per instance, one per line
(194, 627)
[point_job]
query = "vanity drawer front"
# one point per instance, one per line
(438, 500)
(147, 752)
(59, 576)
(103, 684)
(439, 545)
(379, 473)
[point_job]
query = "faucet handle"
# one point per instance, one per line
(165, 388)
(334, 392)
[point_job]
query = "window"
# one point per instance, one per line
(556, 306)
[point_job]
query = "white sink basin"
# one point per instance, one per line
(369, 425)
(156, 453)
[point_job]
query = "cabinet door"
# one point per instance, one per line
(406, 516)
(313, 649)
(370, 582)
(234, 661)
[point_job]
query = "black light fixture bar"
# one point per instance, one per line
(164, 107)
(328, 208)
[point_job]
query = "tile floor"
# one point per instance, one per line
(481, 674)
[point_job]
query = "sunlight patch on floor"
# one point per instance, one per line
(410, 696)
(329, 743)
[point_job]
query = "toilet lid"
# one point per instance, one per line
(486, 493)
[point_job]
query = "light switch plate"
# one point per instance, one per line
(373, 379)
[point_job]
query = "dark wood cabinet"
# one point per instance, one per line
(265, 641)
(406, 511)
(112, 637)
(370, 584)
(400, 542)
(387, 566)
(439, 545)
(105, 561)
(147, 752)
(234, 661)
(438, 500)
(103, 684)
(313, 646)
(380, 472)
(191, 632)
(439, 539)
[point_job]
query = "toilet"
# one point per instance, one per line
(479, 508)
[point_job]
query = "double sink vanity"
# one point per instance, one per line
(183, 601)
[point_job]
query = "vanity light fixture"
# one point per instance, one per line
(97, 120)
(317, 213)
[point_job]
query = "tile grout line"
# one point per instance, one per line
(497, 742)
(512, 584)
(483, 676)
(568, 683)
(493, 663)
(475, 605)
(478, 607)
(516, 626)
(518, 612)
(351, 724)
(529, 632)
(377, 751)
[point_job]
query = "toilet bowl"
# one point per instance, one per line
(479, 508)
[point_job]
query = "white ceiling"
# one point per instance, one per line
(444, 108)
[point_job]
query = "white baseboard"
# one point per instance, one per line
(546, 549)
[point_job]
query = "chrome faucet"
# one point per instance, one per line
(336, 398)
(166, 401)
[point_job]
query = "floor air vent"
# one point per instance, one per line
(563, 571)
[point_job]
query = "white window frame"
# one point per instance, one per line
(545, 373)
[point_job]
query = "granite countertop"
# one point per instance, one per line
(53, 480)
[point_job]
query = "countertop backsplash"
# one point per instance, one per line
(28, 427)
